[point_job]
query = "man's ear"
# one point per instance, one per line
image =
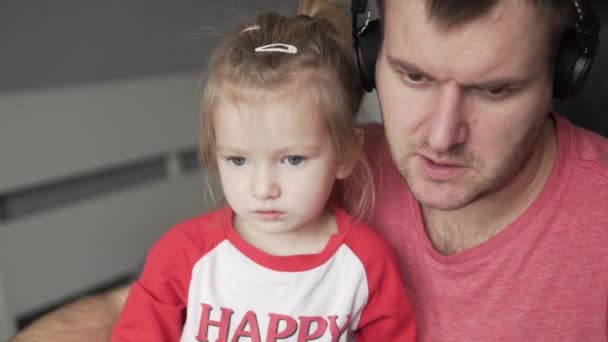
(346, 166)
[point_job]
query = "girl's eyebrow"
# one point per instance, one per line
(229, 149)
(310, 148)
(299, 148)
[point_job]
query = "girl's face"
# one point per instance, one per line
(277, 165)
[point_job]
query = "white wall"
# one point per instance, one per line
(46, 136)
(7, 326)
(51, 133)
(370, 109)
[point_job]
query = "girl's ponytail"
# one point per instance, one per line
(331, 10)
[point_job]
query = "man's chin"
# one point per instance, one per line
(440, 198)
(443, 206)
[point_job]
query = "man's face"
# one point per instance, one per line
(463, 108)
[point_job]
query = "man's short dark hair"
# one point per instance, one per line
(453, 13)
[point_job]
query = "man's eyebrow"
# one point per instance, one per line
(498, 82)
(402, 64)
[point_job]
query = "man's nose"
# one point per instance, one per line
(265, 184)
(447, 125)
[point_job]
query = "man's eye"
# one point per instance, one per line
(496, 91)
(414, 77)
(238, 161)
(293, 160)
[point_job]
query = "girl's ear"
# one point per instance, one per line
(346, 166)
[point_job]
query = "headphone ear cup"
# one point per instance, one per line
(565, 62)
(366, 46)
(572, 66)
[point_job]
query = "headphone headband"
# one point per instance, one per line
(587, 25)
(358, 6)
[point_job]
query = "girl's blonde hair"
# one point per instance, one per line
(322, 69)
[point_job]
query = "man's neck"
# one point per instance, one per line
(455, 231)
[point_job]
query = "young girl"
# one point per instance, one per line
(282, 261)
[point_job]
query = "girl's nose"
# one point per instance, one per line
(265, 185)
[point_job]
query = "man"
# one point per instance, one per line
(501, 222)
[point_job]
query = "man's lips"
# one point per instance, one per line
(442, 162)
(439, 169)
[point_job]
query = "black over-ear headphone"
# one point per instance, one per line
(572, 62)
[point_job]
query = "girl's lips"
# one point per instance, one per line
(269, 215)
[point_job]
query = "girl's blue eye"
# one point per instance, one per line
(238, 161)
(294, 160)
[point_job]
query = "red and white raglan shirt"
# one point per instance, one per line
(203, 282)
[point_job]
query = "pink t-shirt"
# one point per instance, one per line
(543, 278)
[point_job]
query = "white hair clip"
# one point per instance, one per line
(277, 47)
(250, 28)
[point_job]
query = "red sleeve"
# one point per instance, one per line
(388, 314)
(155, 309)
(146, 317)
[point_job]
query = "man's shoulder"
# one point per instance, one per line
(391, 188)
(588, 151)
(375, 144)
(584, 195)
(374, 133)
